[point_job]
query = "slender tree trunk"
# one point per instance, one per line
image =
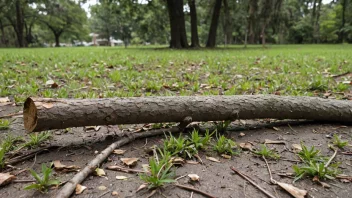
(262, 34)
(245, 38)
(194, 24)
(43, 114)
(228, 24)
(214, 24)
(19, 24)
(317, 24)
(253, 7)
(341, 35)
(177, 24)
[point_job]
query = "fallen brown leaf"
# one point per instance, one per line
(80, 189)
(246, 146)
(6, 178)
(193, 177)
(294, 191)
(141, 187)
(267, 141)
(61, 167)
(212, 159)
(119, 151)
(129, 161)
(226, 156)
(121, 177)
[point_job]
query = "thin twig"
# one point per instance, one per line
(271, 176)
(123, 169)
(180, 177)
(104, 193)
(23, 181)
(291, 128)
(332, 157)
(195, 190)
(252, 182)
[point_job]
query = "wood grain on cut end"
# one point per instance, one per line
(29, 115)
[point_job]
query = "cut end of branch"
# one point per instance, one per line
(29, 115)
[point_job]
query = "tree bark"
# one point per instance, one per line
(45, 114)
(19, 24)
(341, 35)
(253, 7)
(228, 25)
(214, 24)
(57, 40)
(177, 24)
(194, 24)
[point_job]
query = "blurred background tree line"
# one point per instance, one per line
(177, 23)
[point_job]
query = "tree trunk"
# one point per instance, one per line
(2, 34)
(262, 34)
(228, 25)
(57, 40)
(19, 24)
(341, 35)
(177, 24)
(45, 114)
(317, 25)
(194, 24)
(214, 24)
(253, 7)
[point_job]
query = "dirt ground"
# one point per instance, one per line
(79, 146)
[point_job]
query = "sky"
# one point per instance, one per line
(93, 2)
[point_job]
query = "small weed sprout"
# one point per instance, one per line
(264, 151)
(36, 139)
(160, 173)
(222, 125)
(316, 169)
(42, 183)
(198, 141)
(4, 124)
(338, 142)
(225, 146)
(308, 155)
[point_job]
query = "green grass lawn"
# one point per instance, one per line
(117, 72)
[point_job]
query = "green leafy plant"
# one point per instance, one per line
(4, 124)
(159, 175)
(179, 146)
(225, 146)
(338, 142)
(36, 139)
(309, 155)
(264, 151)
(42, 182)
(198, 141)
(8, 143)
(316, 169)
(2, 157)
(222, 125)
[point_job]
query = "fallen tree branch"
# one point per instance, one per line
(252, 182)
(70, 186)
(195, 190)
(43, 114)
